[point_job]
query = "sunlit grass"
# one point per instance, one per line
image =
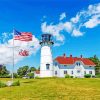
(52, 89)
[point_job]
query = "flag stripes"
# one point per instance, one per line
(23, 53)
(22, 36)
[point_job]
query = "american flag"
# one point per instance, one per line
(22, 36)
(24, 53)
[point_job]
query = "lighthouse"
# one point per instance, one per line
(46, 60)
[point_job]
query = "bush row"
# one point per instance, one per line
(2, 84)
(16, 83)
(68, 76)
(97, 75)
(86, 76)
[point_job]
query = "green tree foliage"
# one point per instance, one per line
(22, 71)
(32, 69)
(2, 84)
(96, 60)
(30, 75)
(26, 71)
(16, 83)
(15, 75)
(3, 71)
(67, 76)
(87, 75)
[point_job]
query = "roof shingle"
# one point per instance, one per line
(72, 60)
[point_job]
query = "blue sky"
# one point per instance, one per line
(31, 15)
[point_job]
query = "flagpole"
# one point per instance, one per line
(13, 58)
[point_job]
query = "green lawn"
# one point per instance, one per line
(53, 89)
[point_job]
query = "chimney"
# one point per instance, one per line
(64, 55)
(70, 56)
(81, 56)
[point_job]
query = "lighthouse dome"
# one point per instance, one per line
(46, 39)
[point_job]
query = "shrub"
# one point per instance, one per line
(98, 76)
(67, 76)
(16, 83)
(15, 75)
(87, 75)
(37, 77)
(5, 76)
(71, 76)
(54, 77)
(30, 75)
(93, 76)
(2, 84)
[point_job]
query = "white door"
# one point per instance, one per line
(78, 71)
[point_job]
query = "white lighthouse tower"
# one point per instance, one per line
(46, 61)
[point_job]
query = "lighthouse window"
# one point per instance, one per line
(55, 72)
(65, 72)
(72, 72)
(47, 66)
(46, 38)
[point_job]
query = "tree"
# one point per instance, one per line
(96, 60)
(30, 75)
(22, 71)
(15, 75)
(32, 69)
(3, 71)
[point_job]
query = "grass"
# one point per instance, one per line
(53, 89)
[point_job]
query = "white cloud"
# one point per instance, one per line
(77, 33)
(75, 19)
(62, 16)
(6, 50)
(68, 26)
(88, 18)
(54, 30)
(93, 22)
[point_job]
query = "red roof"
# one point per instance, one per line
(37, 72)
(72, 60)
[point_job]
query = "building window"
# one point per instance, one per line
(72, 72)
(55, 63)
(65, 65)
(77, 64)
(90, 66)
(47, 66)
(84, 72)
(55, 72)
(78, 71)
(90, 72)
(65, 71)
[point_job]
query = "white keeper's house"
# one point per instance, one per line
(61, 65)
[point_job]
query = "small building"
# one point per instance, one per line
(73, 66)
(37, 73)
